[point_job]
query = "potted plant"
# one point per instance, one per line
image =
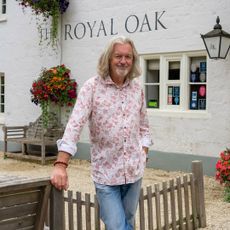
(47, 8)
(53, 87)
(223, 172)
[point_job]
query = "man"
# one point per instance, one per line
(114, 104)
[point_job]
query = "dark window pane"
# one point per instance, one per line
(153, 76)
(3, 9)
(2, 108)
(174, 70)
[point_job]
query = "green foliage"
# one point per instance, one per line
(227, 194)
(47, 8)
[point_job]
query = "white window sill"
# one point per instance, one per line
(190, 114)
(2, 119)
(3, 18)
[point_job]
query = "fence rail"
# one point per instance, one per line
(176, 204)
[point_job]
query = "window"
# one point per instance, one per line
(2, 10)
(3, 6)
(197, 83)
(175, 81)
(2, 93)
(152, 84)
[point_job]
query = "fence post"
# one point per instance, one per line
(197, 170)
(57, 212)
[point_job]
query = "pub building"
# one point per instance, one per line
(187, 92)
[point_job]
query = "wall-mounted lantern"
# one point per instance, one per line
(217, 42)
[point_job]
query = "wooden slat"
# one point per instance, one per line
(193, 199)
(17, 223)
(18, 211)
(180, 205)
(165, 204)
(88, 211)
(141, 210)
(197, 169)
(70, 209)
(150, 207)
(79, 211)
(57, 210)
(42, 207)
(19, 198)
(97, 214)
(158, 208)
(6, 178)
(172, 201)
(29, 157)
(23, 185)
(186, 202)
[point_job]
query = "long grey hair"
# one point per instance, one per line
(103, 67)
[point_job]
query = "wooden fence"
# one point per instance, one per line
(177, 204)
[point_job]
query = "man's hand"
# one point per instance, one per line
(59, 177)
(146, 149)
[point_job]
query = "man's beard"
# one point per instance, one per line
(122, 71)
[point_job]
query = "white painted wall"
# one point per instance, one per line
(21, 60)
(185, 20)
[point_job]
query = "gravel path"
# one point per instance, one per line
(217, 211)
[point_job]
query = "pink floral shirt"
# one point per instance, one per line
(118, 129)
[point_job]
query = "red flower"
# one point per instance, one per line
(223, 167)
(54, 85)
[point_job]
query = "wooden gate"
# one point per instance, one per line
(176, 204)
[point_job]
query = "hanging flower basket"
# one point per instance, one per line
(53, 86)
(47, 8)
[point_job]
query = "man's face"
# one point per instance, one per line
(121, 61)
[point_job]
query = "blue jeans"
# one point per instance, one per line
(118, 204)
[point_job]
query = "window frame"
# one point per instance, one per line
(2, 114)
(3, 15)
(164, 59)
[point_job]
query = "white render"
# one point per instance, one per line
(187, 132)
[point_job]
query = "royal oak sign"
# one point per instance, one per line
(98, 28)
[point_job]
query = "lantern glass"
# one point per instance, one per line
(225, 45)
(213, 47)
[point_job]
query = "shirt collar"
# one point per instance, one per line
(108, 81)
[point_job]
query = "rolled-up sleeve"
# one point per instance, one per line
(64, 146)
(146, 139)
